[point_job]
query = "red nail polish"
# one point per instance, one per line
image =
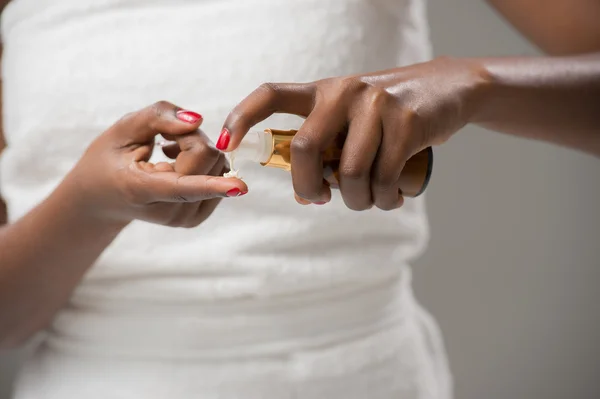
(319, 203)
(236, 192)
(223, 141)
(188, 116)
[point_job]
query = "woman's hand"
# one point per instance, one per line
(389, 116)
(111, 185)
(114, 179)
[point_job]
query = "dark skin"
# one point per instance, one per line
(390, 115)
(111, 185)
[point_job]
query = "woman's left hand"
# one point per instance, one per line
(389, 116)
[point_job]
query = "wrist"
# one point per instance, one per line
(480, 90)
(71, 199)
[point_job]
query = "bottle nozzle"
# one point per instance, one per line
(255, 147)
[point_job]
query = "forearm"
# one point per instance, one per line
(555, 99)
(43, 257)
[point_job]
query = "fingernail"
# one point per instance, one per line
(223, 141)
(236, 192)
(188, 116)
(319, 203)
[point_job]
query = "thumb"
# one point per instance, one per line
(162, 117)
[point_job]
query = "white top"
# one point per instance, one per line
(266, 297)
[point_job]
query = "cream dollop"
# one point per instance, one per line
(232, 174)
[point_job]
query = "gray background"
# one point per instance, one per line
(514, 263)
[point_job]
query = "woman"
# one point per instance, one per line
(264, 299)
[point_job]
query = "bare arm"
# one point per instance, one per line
(48, 264)
(38, 274)
(45, 253)
(556, 26)
(554, 99)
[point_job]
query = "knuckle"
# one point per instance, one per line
(271, 90)
(205, 152)
(418, 127)
(157, 111)
(411, 116)
(351, 84)
(354, 172)
(303, 145)
(160, 107)
(346, 87)
(377, 97)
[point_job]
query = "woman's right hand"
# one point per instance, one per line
(114, 180)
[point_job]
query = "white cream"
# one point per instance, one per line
(233, 173)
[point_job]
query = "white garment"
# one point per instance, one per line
(267, 299)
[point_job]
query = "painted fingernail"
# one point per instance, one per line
(188, 116)
(223, 141)
(319, 203)
(236, 192)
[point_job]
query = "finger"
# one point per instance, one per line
(221, 167)
(318, 132)
(301, 201)
(161, 117)
(269, 98)
(192, 214)
(358, 155)
(388, 165)
(205, 209)
(162, 213)
(164, 167)
(184, 216)
(174, 187)
(171, 150)
(196, 155)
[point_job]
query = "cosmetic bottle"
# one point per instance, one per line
(272, 148)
